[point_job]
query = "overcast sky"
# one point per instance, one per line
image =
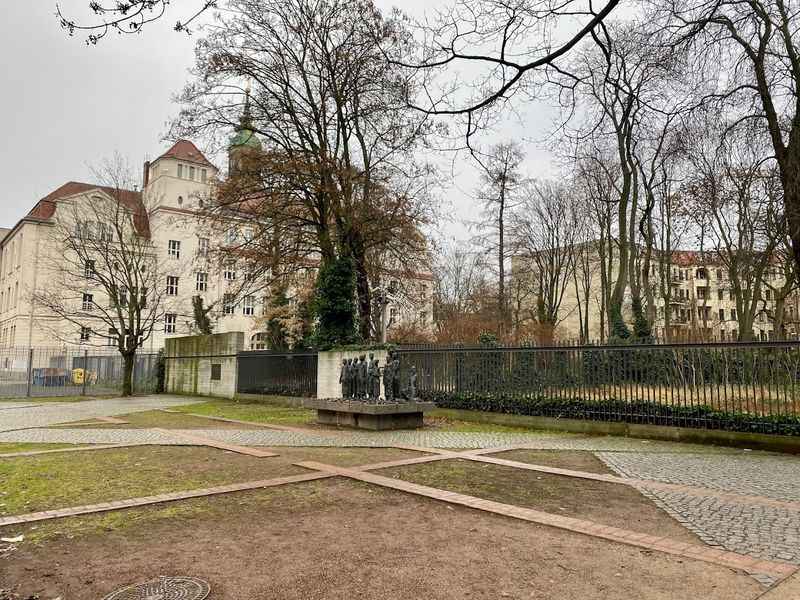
(66, 105)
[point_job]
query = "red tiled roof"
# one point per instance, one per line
(186, 150)
(132, 200)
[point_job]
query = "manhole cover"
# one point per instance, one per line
(164, 588)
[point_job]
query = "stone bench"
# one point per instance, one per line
(363, 415)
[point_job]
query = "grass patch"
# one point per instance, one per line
(440, 421)
(138, 522)
(252, 412)
(50, 481)
(11, 447)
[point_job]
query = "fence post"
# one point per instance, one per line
(85, 370)
(30, 372)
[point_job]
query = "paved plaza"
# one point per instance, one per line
(756, 529)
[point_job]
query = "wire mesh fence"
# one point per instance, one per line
(32, 372)
(736, 386)
(284, 373)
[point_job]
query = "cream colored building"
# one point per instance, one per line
(701, 303)
(173, 188)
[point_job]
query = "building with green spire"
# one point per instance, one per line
(244, 139)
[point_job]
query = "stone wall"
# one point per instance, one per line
(329, 366)
(203, 364)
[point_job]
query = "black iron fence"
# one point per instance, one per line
(735, 386)
(285, 373)
(71, 372)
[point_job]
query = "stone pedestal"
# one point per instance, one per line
(376, 417)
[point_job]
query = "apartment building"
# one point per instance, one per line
(700, 304)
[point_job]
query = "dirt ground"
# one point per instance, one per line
(610, 504)
(338, 539)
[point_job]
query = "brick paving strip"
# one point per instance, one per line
(623, 536)
(204, 441)
(700, 492)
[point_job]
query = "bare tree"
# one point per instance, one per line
(545, 229)
(126, 17)
(460, 283)
(754, 43)
(333, 118)
(104, 279)
(499, 194)
(737, 186)
(513, 46)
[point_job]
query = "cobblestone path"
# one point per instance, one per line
(51, 413)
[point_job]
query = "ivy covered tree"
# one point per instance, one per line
(334, 304)
(202, 322)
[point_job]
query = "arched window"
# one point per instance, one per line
(258, 341)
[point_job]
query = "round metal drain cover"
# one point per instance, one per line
(164, 588)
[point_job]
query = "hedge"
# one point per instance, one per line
(640, 412)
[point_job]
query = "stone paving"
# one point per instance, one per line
(765, 532)
(51, 413)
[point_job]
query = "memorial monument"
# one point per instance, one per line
(361, 403)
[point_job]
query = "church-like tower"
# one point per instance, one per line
(244, 139)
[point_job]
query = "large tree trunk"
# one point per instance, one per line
(127, 374)
(363, 294)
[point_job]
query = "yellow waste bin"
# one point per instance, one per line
(77, 376)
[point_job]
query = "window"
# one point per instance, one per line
(247, 234)
(111, 340)
(105, 232)
(87, 302)
(202, 282)
(392, 315)
(122, 296)
(170, 321)
(701, 293)
(231, 236)
(216, 371)
(229, 274)
(722, 335)
(768, 294)
(719, 274)
(248, 306)
(720, 294)
(423, 318)
(180, 170)
(174, 249)
(700, 273)
(172, 285)
(143, 299)
(180, 200)
(203, 175)
(721, 314)
(85, 334)
(202, 246)
(191, 173)
(733, 314)
(88, 269)
(227, 304)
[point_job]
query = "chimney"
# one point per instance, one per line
(146, 174)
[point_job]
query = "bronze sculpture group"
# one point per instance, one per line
(360, 379)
